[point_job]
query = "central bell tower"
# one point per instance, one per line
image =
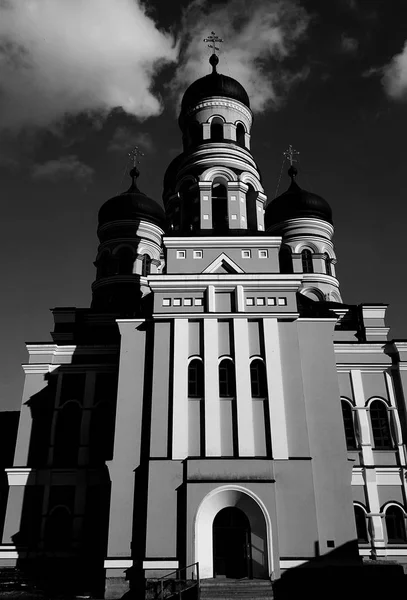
(214, 186)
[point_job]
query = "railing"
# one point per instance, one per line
(185, 579)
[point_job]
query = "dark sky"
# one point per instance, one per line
(351, 138)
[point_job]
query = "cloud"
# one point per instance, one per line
(259, 35)
(124, 139)
(60, 58)
(66, 167)
(349, 45)
(394, 77)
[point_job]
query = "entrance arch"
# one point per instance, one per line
(232, 544)
(260, 541)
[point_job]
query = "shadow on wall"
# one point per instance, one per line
(61, 538)
(341, 574)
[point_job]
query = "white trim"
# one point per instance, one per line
(290, 564)
(18, 475)
(244, 403)
(160, 564)
(213, 444)
(180, 391)
(39, 368)
(118, 563)
(278, 423)
(222, 258)
(263, 242)
(281, 315)
(384, 551)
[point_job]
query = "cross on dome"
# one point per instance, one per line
(213, 39)
(290, 153)
(135, 154)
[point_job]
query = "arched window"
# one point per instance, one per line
(328, 267)
(125, 260)
(251, 208)
(240, 135)
(103, 264)
(395, 525)
(286, 260)
(226, 379)
(146, 265)
(195, 379)
(361, 525)
(349, 425)
(258, 379)
(67, 435)
(307, 266)
(216, 129)
(58, 529)
(220, 220)
(379, 419)
(101, 433)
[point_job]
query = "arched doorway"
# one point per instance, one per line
(232, 544)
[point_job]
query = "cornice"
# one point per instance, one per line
(248, 280)
(292, 316)
(216, 241)
(221, 101)
(358, 347)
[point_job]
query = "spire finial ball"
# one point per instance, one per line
(214, 61)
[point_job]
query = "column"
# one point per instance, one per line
(367, 453)
(212, 402)
(278, 422)
(180, 391)
(244, 402)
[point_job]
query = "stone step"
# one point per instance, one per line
(236, 590)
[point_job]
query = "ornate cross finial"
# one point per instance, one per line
(213, 39)
(290, 153)
(135, 154)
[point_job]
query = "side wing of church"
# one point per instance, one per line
(218, 405)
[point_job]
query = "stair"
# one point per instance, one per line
(236, 589)
(16, 584)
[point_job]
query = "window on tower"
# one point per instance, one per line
(395, 525)
(226, 379)
(146, 265)
(328, 267)
(125, 260)
(286, 260)
(217, 129)
(379, 419)
(219, 207)
(348, 425)
(196, 133)
(240, 135)
(307, 266)
(195, 379)
(258, 379)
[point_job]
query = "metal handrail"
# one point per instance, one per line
(177, 572)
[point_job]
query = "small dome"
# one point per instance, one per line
(296, 203)
(132, 205)
(214, 84)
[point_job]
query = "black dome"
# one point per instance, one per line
(296, 203)
(214, 84)
(132, 205)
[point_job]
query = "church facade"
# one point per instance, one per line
(218, 403)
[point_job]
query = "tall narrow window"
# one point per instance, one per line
(216, 129)
(361, 526)
(328, 267)
(240, 135)
(258, 379)
(380, 425)
(146, 265)
(307, 265)
(195, 379)
(251, 208)
(395, 525)
(286, 260)
(226, 379)
(67, 435)
(219, 207)
(125, 260)
(349, 425)
(196, 134)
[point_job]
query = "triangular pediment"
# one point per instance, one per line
(223, 265)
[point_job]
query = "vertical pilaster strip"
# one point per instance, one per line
(244, 402)
(240, 298)
(211, 298)
(395, 415)
(278, 422)
(367, 452)
(212, 402)
(180, 391)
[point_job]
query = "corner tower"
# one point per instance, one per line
(214, 186)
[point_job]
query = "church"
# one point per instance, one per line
(219, 410)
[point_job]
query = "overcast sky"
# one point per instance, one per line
(81, 81)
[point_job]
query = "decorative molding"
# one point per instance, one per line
(222, 258)
(18, 475)
(40, 368)
(118, 563)
(160, 564)
(289, 564)
(230, 241)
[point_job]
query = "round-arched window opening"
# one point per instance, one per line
(196, 133)
(227, 383)
(240, 135)
(348, 425)
(258, 379)
(361, 525)
(307, 265)
(328, 267)
(379, 419)
(286, 260)
(217, 130)
(195, 379)
(395, 525)
(125, 261)
(220, 220)
(146, 265)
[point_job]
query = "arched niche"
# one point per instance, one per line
(260, 528)
(220, 220)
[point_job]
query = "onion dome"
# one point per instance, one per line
(214, 84)
(296, 203)
(132, 205)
